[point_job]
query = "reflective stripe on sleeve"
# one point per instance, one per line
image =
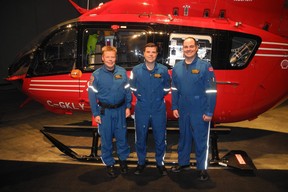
(211, 91)
(174, 88)
(127, 86)
(93, 89)
(131, 75)
(166, 90)
(133, 89)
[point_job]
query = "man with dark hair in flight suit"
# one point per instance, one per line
(110, 100)
(193, 102)
(150, 82)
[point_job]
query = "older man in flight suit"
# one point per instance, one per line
(193, 102)
(150, 82)
(110, 100)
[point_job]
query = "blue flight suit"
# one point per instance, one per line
(111, 88)
(150, 87)
(193, 95)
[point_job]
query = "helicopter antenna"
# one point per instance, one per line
(78, 8)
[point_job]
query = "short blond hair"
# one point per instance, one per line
(108, 48)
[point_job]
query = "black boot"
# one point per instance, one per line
(179, 168)
(203, 175)
(123, 167)
(110, 170)
(162, 170)
(139, 169)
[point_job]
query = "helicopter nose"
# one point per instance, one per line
(16, 80)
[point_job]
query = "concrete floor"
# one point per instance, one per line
(264, 139)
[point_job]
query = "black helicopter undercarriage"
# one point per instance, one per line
(235, 159)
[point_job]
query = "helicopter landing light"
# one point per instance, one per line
(76, 73)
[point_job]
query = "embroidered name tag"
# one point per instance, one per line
(157, 75)
(118, 76)
(195, 71)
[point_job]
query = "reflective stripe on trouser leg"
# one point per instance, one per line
(207, 151)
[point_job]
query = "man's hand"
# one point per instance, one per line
(176, 113)
(207, 118)
(128, 112)
(98, 119)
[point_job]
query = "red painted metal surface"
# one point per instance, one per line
(242, 94)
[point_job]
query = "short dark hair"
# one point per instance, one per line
(190, 37)
(150, 45)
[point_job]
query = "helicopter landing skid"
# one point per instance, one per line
(236, 159)
(93, 157)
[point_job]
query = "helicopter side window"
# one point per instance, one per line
(129, 44)
(241, 51)
(233, 51)
(58, 55)
(176, 43)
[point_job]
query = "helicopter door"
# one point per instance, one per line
(128, 40)
(51, 81)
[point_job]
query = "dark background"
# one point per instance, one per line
(22, 21)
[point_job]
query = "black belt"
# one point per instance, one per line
(109, 106)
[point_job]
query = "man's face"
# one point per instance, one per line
(150, 54)
(190, 48)
(109, 59)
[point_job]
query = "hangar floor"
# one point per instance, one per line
(29, 162)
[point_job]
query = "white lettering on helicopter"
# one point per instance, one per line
(66, 105)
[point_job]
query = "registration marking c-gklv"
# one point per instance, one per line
(66, 105)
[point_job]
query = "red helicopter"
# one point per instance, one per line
(244, 40)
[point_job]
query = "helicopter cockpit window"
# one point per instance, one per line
(129, 44)
(176, 52)
(241, 51)
(232, 50)
(59, 53)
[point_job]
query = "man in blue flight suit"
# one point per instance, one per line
(110, 100)
(150, 82)
(193, 102)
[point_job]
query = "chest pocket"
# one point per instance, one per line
(157, 80)
(119, 82)
(150, 84)
(195, 76)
